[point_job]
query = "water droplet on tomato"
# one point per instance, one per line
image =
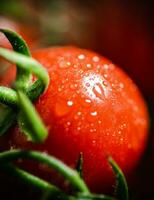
(81, 56)
(99, 121)
(79, 113)
(63, 64)
(94, 113)
(70, 103)
(95, 59)
(78, 128)
(87, 100)
(89, 65)
(106, 67)
(68, 123)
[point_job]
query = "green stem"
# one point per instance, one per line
(28, 178)
(29, 120)
(35, 90)
(26, 63)
(8, 96)
(94, 197)
(121, 189)
(19, 45)
(66, 171)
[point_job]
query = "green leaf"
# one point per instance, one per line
(79, 165)
(29, 120)
(26, 63)
(121, 189)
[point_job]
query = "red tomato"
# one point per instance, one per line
(90, 106)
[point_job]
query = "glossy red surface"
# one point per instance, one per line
(90, 106)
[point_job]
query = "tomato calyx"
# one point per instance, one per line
(8, 96)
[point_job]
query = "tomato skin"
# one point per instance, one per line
(90, 106)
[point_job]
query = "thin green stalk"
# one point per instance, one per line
(71, 175)
(19, 45)
(28, 178)
(121, 189)
(29, 120)
(26, 63)
(8, 96)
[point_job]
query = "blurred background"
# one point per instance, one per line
(122, 31)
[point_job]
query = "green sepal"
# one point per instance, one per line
(17, 42)
(29, 120)
(121, 189)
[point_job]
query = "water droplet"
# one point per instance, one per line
(119, 132)
(98, 88)
(88, 65)
(68, 63)
(63, 64)
(95, 59)
(105, 75)
(79, 113)
(81, 57)
(92, 124)
(94, 113)
(68, 123)
(121, 85)
(59, 89)
(88, 101)
(78, 128)
(106, 67)
(99, 121)
(70, 103)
